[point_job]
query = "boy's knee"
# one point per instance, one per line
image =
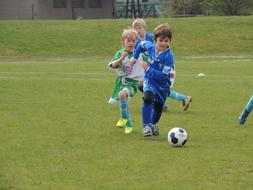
(122, 94)
(148, 98)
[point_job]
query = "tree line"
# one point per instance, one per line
(210, 7)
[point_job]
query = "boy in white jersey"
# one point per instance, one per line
(126, 83)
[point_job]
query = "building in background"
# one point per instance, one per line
(78, 9)
(56, 9)
(140, 8)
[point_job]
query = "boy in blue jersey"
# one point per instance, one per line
(246, 111)
(140, 26)
(156, 86)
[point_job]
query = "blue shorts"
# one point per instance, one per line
(160, 94)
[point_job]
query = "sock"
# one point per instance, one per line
(177, 96)
(146, 114)
(123, 105)
(249, 106)
(165, 106)
(155, 117)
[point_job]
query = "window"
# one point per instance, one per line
(60, 4)
(77, 3)
(95, 3)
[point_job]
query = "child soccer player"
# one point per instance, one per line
(156, 86)
(140, 26)
(246, 111)
(126, 84)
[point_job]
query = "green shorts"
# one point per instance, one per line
(121, 83)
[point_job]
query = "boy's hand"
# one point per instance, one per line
(132, 62)
(144, 65)
(172, 74)
(123, 55)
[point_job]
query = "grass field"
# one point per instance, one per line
(57, 130)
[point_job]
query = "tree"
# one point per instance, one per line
(186, 7)
(228, 7)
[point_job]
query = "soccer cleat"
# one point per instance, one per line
(129, 127)
(186, 103)
(129, 130)
(147, 131)
(122, 122)
(243, 117)
(155, 130)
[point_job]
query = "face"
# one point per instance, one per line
(129, 44)
(140, 31)
(162, 43)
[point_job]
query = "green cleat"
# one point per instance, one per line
(121, 123)
(129, 127)
(129, 130)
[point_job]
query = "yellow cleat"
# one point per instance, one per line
(122, 122)
(129, 130)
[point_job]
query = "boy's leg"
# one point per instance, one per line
(157, 111)
(165, 107)
(246, 111)
(185, 99)
(124, 115)
(156, 115)
(177, 96)
(123, 106)
(140, 86)
(147, 109)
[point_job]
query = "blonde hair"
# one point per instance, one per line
(129, 34)
(139, 22)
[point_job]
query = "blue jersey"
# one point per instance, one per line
(157, 76)
(148, 37)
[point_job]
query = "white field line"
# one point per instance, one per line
(64, 76)
(41, 59)
(217, 57)
(97, 76)
(49, 73)
(51, 78)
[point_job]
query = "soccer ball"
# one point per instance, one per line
(177, 137)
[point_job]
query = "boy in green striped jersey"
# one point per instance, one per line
(126, 83)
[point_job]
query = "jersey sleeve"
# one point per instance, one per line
(167, 68)
(141, 48)
(119, 70)
(116, 56)
(150, 37)
(144, 57)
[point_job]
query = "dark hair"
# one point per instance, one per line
(162, 31)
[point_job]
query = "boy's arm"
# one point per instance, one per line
(118, 58)
(141, 48)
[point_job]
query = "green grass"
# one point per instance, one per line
(57, 131)
(192, 36)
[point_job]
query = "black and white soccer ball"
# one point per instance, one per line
(177, 137)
